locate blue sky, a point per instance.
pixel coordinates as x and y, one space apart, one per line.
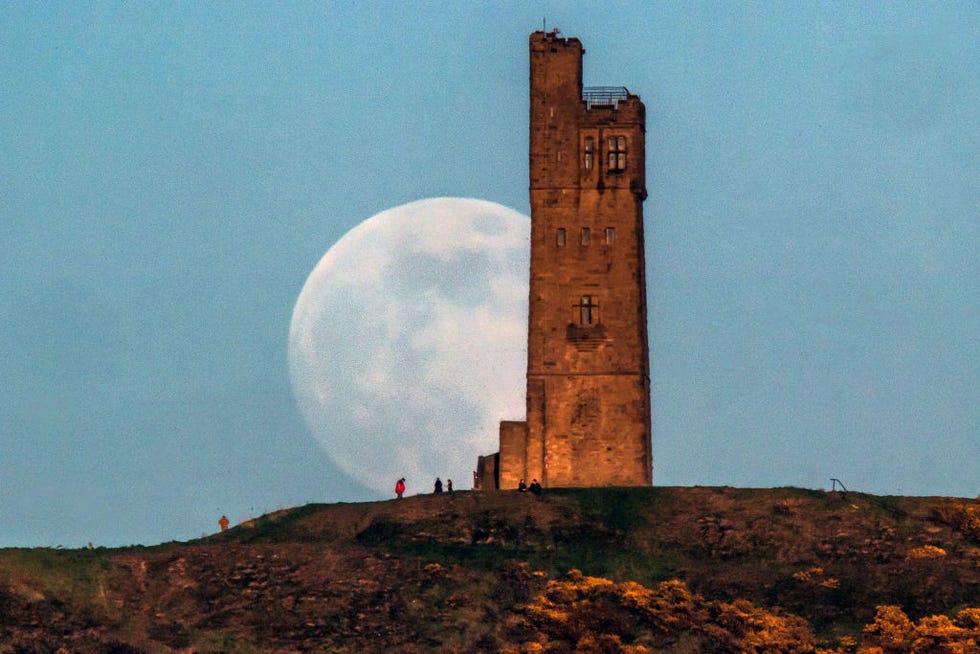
172 172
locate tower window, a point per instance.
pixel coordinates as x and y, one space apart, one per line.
610 235
586 236
588 310
589 159
617 153
560 237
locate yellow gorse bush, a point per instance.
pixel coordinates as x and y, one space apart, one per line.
589 614
926 552
893 632
585 615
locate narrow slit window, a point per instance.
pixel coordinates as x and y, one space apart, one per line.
586 236
560 237
589 157
610 235
617 153
588 310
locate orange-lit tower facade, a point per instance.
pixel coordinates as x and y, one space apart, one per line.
588 383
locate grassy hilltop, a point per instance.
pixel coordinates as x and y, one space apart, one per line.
586 570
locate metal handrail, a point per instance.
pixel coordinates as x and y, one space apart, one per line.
604 95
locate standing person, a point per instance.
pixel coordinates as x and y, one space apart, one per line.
223 523
400 487
438 486
449 486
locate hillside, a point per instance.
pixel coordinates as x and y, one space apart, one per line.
597 570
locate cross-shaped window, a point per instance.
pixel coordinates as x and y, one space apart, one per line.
588 310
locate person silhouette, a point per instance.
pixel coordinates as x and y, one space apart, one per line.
438 485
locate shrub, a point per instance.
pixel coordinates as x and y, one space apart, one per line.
962 518
892 632
592 614
926 552
815 577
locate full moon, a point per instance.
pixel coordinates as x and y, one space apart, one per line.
408 342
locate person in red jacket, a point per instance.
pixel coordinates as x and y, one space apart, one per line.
400 487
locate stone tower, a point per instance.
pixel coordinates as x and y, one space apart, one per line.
588 383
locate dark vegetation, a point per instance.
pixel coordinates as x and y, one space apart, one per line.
586 570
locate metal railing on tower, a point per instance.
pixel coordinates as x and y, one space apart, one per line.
605 96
